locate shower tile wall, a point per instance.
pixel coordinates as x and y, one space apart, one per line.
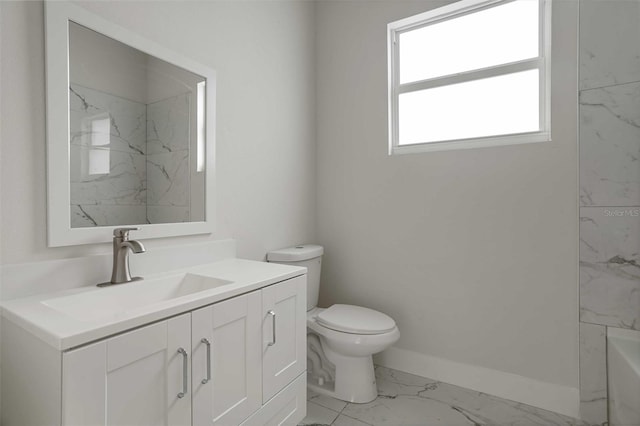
168 160
609 187
108 147
593 373
132 157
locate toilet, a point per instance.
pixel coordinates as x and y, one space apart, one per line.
341 339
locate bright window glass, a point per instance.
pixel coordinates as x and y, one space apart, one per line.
99 161
101 131
498 35
99 154
201 125
469 74
493 106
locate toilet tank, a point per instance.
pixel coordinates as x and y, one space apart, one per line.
307 255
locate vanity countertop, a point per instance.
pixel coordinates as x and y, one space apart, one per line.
64 331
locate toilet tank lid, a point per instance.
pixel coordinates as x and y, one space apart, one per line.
296 253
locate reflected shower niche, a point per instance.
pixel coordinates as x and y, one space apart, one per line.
136 152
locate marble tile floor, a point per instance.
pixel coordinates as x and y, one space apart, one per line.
405 399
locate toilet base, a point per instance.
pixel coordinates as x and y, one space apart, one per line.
355 380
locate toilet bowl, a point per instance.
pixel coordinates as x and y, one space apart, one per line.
350 351
341 339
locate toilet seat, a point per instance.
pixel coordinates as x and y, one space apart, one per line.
355 320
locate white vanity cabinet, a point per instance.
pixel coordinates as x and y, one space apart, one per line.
284 335
226 375
258 347
241 360
130 379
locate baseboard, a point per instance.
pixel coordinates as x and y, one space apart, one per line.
548 396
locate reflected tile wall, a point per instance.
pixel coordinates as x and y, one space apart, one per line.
83 216
130 161
168 125
108 167
124 182
168 174
168 214
593 373
127 132
168 179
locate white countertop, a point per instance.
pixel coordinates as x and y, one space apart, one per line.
64 332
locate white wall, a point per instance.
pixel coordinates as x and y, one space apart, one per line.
473 252
1 126
104 64
263 55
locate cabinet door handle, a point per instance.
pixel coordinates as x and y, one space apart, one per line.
273 326
184 372
208 343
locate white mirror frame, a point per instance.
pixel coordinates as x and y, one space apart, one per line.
60 233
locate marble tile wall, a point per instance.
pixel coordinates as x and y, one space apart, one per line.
609 48
593 373
130 161
609 146
610 266
610 163
108 167
168 176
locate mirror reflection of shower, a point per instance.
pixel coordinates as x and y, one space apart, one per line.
137 135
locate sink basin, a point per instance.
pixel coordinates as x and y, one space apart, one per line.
122 299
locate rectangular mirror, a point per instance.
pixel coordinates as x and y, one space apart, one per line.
130 133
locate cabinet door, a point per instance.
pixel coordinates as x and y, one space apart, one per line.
130 379
284 337
232 393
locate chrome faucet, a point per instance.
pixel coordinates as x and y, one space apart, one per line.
121 247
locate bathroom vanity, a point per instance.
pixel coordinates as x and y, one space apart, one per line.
222 343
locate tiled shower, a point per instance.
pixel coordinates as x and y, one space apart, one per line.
609 144
132 156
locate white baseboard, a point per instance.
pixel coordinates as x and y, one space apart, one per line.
557 398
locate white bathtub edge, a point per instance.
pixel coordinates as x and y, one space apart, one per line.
623 364
623 333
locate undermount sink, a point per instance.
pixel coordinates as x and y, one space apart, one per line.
122 299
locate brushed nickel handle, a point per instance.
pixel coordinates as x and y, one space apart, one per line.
208 343
273 326
184 372
124 232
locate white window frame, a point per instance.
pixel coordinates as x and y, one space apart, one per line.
464 7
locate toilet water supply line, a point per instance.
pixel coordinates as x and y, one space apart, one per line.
315 349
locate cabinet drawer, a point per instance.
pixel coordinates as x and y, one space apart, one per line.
288 407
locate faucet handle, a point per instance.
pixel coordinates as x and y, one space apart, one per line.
124 232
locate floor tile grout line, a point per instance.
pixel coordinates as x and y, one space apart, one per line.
355 418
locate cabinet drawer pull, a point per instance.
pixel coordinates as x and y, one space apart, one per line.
273 326
184 372
208 343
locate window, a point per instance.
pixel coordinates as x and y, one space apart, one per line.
474 73
97 142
